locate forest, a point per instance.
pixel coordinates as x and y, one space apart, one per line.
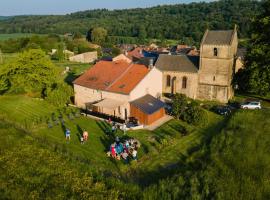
181 22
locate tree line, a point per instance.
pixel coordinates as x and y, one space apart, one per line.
181 22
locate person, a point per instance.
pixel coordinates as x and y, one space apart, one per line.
125 157
127 143
67 134
82 140
113 129
119 148
85 135
124 128
117 140
126 146
113 151
110 120
134 154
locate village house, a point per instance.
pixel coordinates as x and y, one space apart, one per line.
205 77
121 89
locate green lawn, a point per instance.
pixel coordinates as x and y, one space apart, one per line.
15 36
76 69
22 108
160 148
38 159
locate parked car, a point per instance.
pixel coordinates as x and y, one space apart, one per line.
251 105
168 109
222 110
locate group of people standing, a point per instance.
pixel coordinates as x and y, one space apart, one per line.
83 137
126 150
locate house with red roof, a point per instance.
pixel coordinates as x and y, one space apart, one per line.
117 87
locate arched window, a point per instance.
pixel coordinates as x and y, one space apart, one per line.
215 51
184 82
168 80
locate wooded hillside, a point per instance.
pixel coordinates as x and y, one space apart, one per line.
171 22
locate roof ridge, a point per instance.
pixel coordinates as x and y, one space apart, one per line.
119 77
233 33
204 36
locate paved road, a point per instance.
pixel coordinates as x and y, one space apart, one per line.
159 123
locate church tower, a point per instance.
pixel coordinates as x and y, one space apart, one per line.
217 57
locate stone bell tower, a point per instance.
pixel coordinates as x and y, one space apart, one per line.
217 57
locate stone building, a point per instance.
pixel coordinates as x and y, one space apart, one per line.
121 89
87 57
205 77
179 74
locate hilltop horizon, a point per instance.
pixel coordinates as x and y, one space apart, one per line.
30 7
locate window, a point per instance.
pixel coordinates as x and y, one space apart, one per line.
215 51
214 78
119 110
184 82
168 80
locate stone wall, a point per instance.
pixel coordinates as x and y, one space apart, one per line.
214 93
85 95
87 57
151 84
191 86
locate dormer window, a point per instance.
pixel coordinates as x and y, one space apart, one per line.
215 51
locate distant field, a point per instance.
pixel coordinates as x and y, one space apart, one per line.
14 36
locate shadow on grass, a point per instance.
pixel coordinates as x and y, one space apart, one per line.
80 132
182 165
71 76
246 95
64 128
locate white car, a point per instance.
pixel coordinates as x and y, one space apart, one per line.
251 105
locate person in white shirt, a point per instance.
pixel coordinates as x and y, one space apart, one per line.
134 154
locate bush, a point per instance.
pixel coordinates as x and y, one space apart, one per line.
179 105
195 115
190 112
59 95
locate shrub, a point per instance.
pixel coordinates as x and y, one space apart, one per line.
59 95
195 115
179 105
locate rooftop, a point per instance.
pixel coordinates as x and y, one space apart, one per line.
180 63
119 76
218 37
148 104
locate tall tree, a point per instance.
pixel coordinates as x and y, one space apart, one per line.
255 77
31 72
98 35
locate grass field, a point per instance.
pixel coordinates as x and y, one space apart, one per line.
160 148
76 69
21 108
39 159
14 36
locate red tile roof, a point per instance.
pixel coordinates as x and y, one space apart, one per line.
128 81
136 53
118 77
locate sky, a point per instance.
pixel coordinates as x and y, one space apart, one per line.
42 7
